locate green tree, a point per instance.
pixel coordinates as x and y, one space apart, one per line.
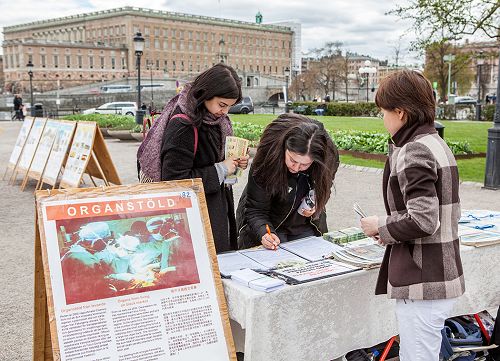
434 20
436 68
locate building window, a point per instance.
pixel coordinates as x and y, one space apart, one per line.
190 35
30 58
68 61
102 62
174 45
42 61
91 62
157 43
80 61
113 63
165 65
173 33
165 44
146 30
173 65
157 31
123 30
124 63
146 43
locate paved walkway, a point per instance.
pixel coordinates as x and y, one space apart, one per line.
17 229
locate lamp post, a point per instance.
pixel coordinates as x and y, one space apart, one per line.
287 76
492 173
365 72
30 73
449 58
139 48
150 65
480 61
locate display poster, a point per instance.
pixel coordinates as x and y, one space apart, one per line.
31 144
59 152
44 147
130 274
79 154
21 140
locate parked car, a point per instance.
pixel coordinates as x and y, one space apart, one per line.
465 100
300 109
123 108
243 107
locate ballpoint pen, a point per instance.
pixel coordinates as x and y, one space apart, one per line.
269 233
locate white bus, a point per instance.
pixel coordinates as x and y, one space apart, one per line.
122 88
150 87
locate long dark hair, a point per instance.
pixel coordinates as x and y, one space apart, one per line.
303 136
219 81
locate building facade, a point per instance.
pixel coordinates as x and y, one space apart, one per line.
98 46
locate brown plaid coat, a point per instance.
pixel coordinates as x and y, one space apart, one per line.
422 259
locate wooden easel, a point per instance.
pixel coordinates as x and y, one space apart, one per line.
58 155
19 146
29 149
45 335
42 153
88 144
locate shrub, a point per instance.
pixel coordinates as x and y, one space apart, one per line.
338 109
105 120
249 131
488 112
360 141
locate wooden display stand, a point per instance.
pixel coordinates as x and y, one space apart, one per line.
48 304
28 152
19 146
58 154
88 154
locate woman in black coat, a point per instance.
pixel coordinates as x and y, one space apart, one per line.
295 155
193 145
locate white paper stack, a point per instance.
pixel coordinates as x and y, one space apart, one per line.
257 281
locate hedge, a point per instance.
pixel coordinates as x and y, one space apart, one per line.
340 109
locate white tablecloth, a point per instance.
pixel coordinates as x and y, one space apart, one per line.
325 319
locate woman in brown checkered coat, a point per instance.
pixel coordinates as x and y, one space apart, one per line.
421 269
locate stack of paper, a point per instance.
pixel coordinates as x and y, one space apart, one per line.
364 253
470 236
353 233
273 259
257 281
335 237
311 248
234 261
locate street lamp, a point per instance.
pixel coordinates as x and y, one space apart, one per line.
366 71
30 73
449 58
150 65
139 48
492 173
287 76
480 61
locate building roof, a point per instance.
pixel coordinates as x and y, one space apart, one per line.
129 10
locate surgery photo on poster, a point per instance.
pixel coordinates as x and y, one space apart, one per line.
111 256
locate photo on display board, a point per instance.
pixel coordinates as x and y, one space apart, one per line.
110 256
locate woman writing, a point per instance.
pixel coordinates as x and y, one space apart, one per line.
421 268
192 146
295 155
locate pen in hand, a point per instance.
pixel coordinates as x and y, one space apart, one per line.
275 247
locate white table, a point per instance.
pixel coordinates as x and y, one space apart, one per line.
325 319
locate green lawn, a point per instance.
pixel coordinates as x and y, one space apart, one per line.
476 133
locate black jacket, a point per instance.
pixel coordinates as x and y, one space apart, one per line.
180 162
17 103
258 208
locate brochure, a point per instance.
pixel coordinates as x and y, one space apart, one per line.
313 271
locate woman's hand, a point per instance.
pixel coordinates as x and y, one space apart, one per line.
270 241
230 164
369 225
243 162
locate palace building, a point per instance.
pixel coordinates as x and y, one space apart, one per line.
98 46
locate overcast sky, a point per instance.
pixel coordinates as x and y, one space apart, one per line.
361 25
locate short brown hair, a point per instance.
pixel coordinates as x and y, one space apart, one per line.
409 91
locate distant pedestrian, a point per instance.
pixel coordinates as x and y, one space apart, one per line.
18 107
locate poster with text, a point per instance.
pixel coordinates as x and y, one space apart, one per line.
44 147
31 143
21 139
79 154
129 275
59 151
